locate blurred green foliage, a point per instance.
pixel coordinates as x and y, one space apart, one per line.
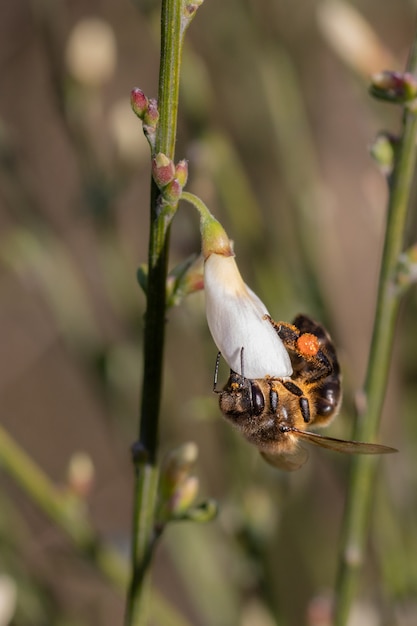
275 120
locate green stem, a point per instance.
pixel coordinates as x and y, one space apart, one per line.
363 469
62 508
198 204
175 17
70 516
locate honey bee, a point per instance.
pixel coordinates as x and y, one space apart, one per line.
275 413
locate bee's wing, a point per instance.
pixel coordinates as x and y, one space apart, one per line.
342 445
289 461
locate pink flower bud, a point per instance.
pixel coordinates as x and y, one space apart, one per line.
181 172
139 102
394 86
163 170
151 115
172 192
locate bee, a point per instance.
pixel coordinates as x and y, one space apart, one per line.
276 414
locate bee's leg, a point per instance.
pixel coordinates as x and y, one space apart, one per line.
324 357
302 399
322 368
287 332
306 346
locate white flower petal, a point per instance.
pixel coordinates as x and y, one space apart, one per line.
235 316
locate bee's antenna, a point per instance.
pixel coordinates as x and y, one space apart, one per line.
216 373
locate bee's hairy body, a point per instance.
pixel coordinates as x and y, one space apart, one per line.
275 413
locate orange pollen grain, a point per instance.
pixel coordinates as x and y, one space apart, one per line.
308 344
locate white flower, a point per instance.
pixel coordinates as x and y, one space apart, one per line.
236 318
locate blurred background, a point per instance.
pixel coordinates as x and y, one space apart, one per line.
276 122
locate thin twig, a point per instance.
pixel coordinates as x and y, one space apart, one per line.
363 469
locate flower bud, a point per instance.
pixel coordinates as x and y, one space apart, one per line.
185 278
181 172
394 86
177 488
151 116
81 474
172 192
177 466
194 281
183 497
139 102
163 170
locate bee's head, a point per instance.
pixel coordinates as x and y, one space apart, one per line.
241 396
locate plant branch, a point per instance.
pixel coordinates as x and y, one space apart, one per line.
363 468
175 17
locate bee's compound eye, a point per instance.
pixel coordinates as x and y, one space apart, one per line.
258 401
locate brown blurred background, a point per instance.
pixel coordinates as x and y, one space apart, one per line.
276 122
